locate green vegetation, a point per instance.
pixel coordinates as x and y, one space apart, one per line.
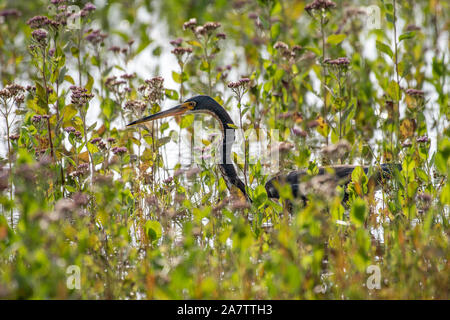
78 188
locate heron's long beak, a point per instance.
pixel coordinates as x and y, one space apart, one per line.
175 111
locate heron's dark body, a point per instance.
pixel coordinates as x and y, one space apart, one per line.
341 174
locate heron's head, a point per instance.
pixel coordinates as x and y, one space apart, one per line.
193 105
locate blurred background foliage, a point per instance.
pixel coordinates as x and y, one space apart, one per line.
79 188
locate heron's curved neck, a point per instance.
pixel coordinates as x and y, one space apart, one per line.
228 135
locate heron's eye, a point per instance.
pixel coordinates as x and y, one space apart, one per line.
192 104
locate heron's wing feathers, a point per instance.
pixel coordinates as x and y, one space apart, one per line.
341 174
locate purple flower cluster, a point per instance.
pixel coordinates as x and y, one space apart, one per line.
69 129
179 51
205 30
111 140
81 170
99 142
412 27
344 61
415 93
128 76
112 83
102 145
36 118
406 144
96 140
80 96
88 8
339 64
423 139
136 106
280 45
38 22
119 150
10 13
14 137
191 24
168 180
40 35
80 199
320 5
238 84
192 172
95 37
299 132
12 91
115 49
177 42
286 52
221 35
153 90
83 167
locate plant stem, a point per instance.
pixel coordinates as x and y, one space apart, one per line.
324 93
83 117
10 165
44 78
396 112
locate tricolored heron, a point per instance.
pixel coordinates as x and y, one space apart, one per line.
206 104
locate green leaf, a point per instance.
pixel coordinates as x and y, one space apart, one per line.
384 48
95 61
107 107
74 51
176 77
407 35
313 50
260 196
92 148
89 83
69 112
162 141
157 51
358 212
205 65
445 194
275 30
393 91
336 38
92 127
153 230
187 121
144 39
69 79
195 43
422 175
70 188
172 94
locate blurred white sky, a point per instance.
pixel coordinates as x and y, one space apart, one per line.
147 66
